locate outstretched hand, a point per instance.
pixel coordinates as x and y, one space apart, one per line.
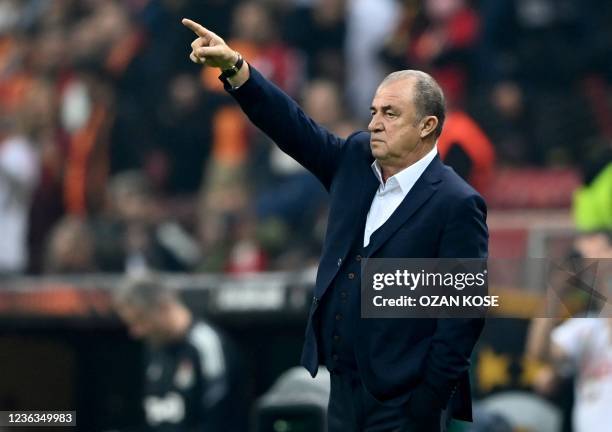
209 48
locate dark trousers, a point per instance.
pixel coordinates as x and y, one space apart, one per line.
352 409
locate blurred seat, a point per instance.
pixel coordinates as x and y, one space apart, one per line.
296 402
524 411
535 188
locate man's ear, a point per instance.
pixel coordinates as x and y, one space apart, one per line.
428 125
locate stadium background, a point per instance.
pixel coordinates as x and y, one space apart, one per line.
117 155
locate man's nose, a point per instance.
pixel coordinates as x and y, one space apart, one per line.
375 124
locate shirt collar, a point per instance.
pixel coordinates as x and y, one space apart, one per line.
407 177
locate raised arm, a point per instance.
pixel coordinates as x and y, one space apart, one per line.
269 108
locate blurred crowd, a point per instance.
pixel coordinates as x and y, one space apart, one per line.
119 154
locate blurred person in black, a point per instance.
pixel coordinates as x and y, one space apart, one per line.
536 57
185 149
191 379
135 233
318 28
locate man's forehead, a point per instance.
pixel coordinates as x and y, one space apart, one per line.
393 93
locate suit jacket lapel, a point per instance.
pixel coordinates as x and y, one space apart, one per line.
422 190
356 204
368 191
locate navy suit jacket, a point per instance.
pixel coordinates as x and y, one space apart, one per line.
422 362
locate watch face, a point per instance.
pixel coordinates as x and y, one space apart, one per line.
228 73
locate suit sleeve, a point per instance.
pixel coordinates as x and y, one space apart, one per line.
280 117
465 236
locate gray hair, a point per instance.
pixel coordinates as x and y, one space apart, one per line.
143 292
428 96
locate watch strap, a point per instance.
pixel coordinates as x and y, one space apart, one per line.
228 73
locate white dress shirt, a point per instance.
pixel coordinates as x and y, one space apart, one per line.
390 194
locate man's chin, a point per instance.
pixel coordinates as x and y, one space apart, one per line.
377 151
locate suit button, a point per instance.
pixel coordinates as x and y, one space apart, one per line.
351 275
338 317
335 357
344 294
339 262
336 338
358 258
315 301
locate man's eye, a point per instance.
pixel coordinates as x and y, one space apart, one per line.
391 114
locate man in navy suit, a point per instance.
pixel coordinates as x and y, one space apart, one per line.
390 197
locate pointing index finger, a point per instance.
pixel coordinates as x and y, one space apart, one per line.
196 28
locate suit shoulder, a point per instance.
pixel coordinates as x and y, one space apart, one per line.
359 135
359 141
457 188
